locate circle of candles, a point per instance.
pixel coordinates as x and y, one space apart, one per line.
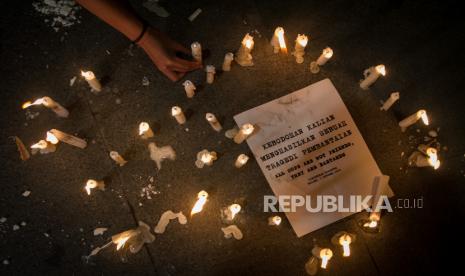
278 42
92 80
210 69
325 254
390 101
244 56
196 51
190 88
202 197
228 58
117 158
299 49
345 241
177 113
275 220
371 75
243 133
145 131
324 57
241 160
412 119
211 118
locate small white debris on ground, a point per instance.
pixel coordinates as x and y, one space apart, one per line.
23 223
6 262
148 191
26 193
118 101
72 80
99 231
30 115
15 227
433 133
194 15
3 219
63 12
145 81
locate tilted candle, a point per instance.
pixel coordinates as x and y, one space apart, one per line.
211 118
177 113
245 131
92 184
145 132
190 88
43 147
412 119
324 57
117 158
92 80
48 102
390 101
371 75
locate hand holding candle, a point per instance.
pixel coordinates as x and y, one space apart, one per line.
389 102
244 56
92 80
299 50
245 131
59 110
211 118
190 88
228 58
412 119
371 75
324 57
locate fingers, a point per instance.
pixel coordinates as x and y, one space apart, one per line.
172 75
179 48
190 65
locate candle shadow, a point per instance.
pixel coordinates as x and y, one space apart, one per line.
188 113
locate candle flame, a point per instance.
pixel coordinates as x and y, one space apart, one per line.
345 241
234 209
42 144
279 32
198 206
433 158
325 254
51 138
36 102
381 69
206 157
424 117
327 52
87 74
276 220
302 40
90 184
121 242
143 128
248 41
371 224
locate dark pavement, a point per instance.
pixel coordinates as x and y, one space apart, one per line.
421 44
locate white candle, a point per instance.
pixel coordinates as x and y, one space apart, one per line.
69 139
324 57
231 211
197 51
412 119
275 220
228 58
43 147
117 158
299 49
210 69
190 88
371 75
244 56
211 118
177 113
345 240
325 254
145 132
389 102
278 42
241 160
245 131
92 80
48 102
202 197
92 184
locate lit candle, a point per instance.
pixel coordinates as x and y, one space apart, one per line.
373 220
228 58
412 119
433 158
324 57
245 131
190 88
244 56
117 158
325 254
59 110
232 231
371 75
205 157
51 138
211 118
231 211
92 80
145 131
389 102
43 147
165 220
197 51
278 42
202 197
241 160
92 184
177 113
299 49
345 241
68 138
430 160
210 69
275 220
137 237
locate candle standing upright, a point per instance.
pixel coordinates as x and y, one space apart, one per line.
210 70
245 131
213 121
196 51
299 50
228 58
177 113
189 87
244 56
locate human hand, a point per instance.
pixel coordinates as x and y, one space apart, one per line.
162 51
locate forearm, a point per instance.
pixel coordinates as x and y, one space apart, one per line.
117 13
